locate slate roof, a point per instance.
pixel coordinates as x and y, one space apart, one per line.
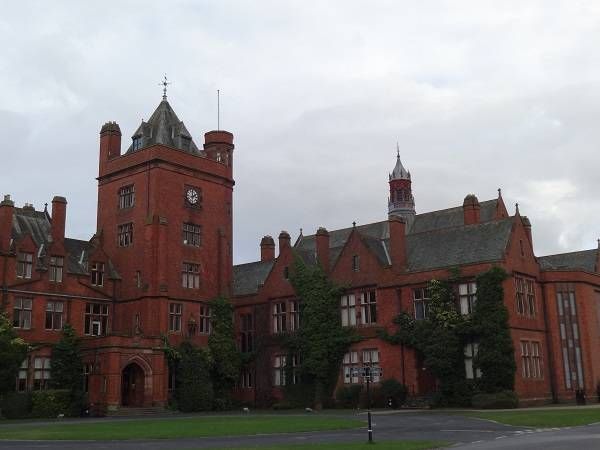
247 278
164 127
467 244
584 260
451 217
37 224
29 221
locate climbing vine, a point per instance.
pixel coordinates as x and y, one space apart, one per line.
321 341
441 337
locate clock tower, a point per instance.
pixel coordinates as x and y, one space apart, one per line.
165 223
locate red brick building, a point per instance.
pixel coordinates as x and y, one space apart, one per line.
162 250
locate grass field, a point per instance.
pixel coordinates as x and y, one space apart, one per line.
543 418
397 445
176 428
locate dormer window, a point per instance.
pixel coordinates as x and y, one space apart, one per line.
24 264
137 143
97 274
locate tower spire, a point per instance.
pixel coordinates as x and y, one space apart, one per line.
164 84
401 202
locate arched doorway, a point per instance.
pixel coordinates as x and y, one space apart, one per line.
132 385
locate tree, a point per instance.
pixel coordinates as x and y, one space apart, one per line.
490 328
193 390
226 358
13 351
321 341
66 363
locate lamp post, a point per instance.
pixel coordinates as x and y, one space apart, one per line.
370 425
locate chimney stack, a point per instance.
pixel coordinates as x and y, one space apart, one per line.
267 249
322 238
59 218
471 210
7 208
398 243
110 143
284 241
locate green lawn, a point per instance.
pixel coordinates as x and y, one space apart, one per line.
543 418
397 445
176 428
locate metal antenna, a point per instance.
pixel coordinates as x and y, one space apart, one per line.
218 109
164 84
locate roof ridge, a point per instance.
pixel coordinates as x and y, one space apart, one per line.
591 250
456 227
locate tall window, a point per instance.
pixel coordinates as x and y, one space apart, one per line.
295 375
23 376
467 293
470 352
350 361
355 263
137 143
54 315
348 310
246 333
96 319
56 269
246 379
97 274
22 313
279 370
370 357
279 318
192 234
190 275
368 308
175 310
205 325
127 196
420 301
87 371
531 360
525 296
24 264
294 315
125 234
41 373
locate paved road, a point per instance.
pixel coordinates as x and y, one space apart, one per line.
467 433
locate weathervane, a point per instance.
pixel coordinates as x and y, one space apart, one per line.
164 84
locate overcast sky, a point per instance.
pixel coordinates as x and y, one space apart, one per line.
479 95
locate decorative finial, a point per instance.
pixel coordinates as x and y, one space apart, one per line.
45 207
164 84
397 150
499 192
354 224
300 231
517 209
598 244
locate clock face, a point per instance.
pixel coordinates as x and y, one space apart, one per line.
192 196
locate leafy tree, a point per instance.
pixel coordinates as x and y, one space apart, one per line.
321 341
194 391
490 328
226 358
67 365
13 351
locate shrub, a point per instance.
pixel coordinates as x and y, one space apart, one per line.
348 396
16 405
194 391
393 389
51 403
499 400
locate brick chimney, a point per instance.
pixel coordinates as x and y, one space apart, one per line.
284 241
110 144
322 238
7 208
471 210
397 242
59 218
267 249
